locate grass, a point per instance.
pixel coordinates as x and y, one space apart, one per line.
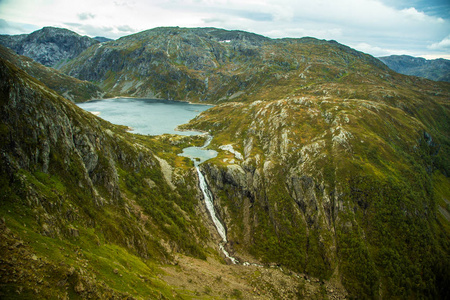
378 176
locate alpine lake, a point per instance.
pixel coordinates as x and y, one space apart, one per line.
152 117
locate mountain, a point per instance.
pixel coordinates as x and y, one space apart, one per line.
102 39
50 46
332 174
88 210
217 65
434 69
83 202
66 86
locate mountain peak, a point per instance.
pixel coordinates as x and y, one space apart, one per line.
50 46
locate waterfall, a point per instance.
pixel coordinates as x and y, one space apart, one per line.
199 155
210 206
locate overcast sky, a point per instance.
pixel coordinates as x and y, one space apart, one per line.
378 27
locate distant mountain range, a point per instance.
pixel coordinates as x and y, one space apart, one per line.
102 39
434 69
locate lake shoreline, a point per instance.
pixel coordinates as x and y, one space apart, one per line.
147 116
140 98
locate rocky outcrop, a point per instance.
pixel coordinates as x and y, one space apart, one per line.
307 183
50 46
208 64
70 88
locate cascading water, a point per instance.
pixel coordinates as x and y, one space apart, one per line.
199 155
210 206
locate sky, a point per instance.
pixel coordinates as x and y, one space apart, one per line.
378 27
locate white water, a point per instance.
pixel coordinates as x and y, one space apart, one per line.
210 206
199 155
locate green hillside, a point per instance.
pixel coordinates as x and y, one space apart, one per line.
332 175
85 209
70 88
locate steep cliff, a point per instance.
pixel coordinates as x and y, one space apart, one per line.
69 87
50 46
85 207
327 185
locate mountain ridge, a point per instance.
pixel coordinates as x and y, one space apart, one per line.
50 46
67 86
434 69
207 64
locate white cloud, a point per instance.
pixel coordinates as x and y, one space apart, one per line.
125 28
378 51
85 16
442 45
351 22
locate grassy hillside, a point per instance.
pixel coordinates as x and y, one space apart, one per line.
70 88
85 208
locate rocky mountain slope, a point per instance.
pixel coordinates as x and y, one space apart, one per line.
69 87
84 203
50 46
332 168
323 185
88 210
434 69
218 65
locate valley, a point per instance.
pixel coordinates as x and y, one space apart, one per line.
326 169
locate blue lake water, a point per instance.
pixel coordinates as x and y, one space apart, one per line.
199 154
146 116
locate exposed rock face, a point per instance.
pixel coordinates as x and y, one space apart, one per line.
317 178
40 127
50 46
434 69
68 87
76 179
216 65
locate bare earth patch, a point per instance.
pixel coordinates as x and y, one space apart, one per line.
213 279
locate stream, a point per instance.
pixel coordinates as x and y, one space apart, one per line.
154 117
199 155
